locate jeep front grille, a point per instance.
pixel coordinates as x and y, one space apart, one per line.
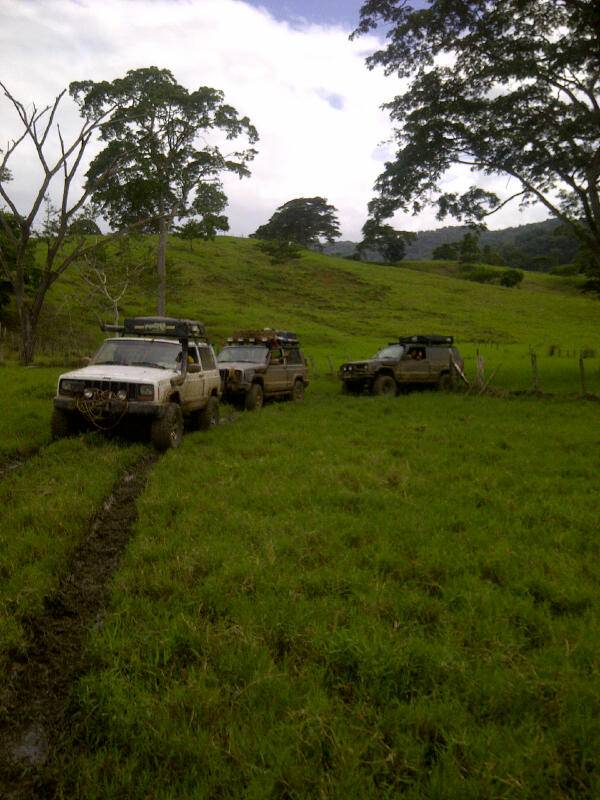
132 389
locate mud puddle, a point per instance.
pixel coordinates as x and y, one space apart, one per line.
37 686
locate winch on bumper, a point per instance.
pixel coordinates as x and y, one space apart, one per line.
108 404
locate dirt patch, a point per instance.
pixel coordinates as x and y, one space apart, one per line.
10 463
37 686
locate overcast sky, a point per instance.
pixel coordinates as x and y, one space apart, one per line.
287 64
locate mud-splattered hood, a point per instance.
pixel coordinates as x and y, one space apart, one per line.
120 373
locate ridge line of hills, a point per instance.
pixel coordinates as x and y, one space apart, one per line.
537 246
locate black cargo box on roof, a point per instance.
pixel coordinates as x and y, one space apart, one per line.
167 327
430 339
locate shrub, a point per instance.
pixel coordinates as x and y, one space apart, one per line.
280 251
511 277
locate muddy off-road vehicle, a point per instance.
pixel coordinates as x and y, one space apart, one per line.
256 365
419 360
159 369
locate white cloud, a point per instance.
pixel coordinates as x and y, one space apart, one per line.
305 88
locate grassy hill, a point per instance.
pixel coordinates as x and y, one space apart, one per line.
343 309
345 597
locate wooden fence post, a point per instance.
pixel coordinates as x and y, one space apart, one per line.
479 370
582 375
534 370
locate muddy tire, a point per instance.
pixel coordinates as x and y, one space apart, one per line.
254 398
64 423
208 417
446 382
384 385
298 391
167 431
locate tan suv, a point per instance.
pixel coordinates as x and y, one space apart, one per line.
256 365
411 361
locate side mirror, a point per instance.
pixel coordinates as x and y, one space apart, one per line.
194 368
85 361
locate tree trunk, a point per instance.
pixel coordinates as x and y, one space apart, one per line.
161 268
28 324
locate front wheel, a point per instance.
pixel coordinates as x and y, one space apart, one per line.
167 431
384 385
298 391
254 397
208 416
446 382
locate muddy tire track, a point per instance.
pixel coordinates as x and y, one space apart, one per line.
37 686
8 464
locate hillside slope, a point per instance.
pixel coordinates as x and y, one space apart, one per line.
340 307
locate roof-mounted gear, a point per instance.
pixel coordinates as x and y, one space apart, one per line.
266 336
431 339
163 327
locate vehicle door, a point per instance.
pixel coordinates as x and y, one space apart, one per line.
414 366
276 374
294 366
439 361
192 390
212 377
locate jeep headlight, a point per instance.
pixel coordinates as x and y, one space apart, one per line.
146 391
71 387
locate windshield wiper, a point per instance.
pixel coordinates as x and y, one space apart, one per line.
147 364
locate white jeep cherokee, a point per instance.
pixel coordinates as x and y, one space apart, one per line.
159 368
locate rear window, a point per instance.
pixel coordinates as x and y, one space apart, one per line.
293 357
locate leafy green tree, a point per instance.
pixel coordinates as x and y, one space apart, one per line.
491 255
84 226
506 86
205 228
388 242
9 235
468 249
305 221
160 165
446 252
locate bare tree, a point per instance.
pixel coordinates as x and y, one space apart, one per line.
108 277
36 128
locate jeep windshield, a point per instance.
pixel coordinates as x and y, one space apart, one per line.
392 351
253 354
139 353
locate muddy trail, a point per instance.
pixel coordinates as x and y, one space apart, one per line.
8 464
36 689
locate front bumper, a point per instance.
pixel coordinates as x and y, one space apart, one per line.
113 407
353 378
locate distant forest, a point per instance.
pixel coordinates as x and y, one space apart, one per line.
539 246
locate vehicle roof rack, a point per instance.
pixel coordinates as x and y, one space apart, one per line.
164 327
426 338
265 336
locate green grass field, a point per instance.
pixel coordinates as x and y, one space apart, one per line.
345 597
